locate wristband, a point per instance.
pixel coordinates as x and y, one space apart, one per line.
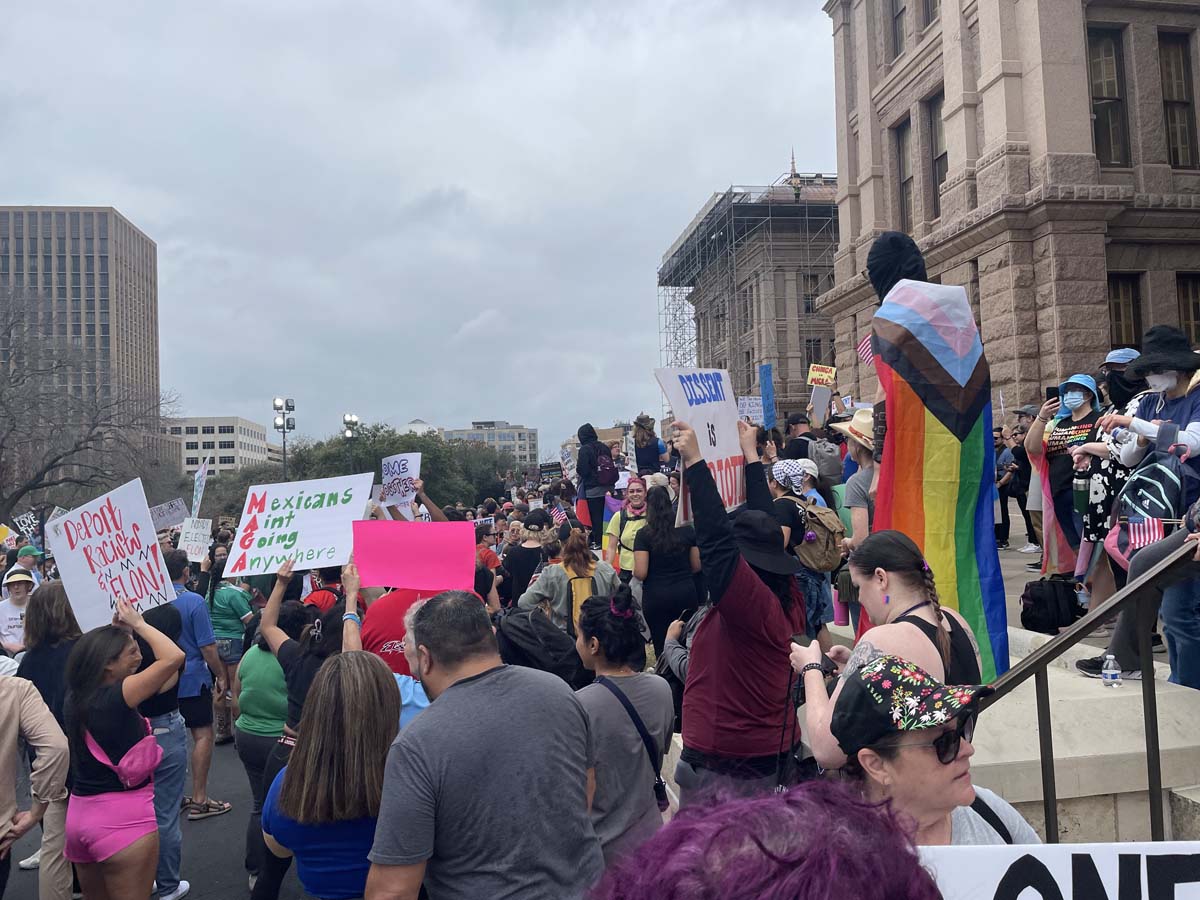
352 617
815 667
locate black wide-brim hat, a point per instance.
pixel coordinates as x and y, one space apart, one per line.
761 542
1165 349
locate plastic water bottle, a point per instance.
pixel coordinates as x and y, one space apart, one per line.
1110 675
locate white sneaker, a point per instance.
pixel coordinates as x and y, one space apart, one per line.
1030 548
31 862
181 891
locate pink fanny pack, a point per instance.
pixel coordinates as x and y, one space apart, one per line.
139 761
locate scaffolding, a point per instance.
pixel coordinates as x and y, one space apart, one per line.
739 286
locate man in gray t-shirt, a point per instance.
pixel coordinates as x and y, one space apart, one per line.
486 792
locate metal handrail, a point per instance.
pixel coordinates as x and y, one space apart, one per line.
1139 594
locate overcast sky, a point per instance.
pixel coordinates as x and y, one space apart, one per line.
438 210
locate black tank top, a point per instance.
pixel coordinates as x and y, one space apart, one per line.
963 667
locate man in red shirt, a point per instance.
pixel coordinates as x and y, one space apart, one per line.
485 539
330 593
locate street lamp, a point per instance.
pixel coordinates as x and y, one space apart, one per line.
350 432
284 423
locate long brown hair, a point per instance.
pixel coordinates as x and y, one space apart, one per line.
351 716
49 618
576 557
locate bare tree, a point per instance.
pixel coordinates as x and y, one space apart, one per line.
69 428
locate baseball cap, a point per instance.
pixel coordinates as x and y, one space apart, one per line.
890 694
538 520
29 550
1028 410
797 418
1122 356
18 576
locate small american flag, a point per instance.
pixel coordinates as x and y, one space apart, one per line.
1144 531
557 515
864 351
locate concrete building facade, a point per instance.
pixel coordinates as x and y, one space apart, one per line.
517 440
1043 155
229 442
738 288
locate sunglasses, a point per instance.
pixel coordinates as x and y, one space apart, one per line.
947 744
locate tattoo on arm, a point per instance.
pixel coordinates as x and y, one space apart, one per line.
864 651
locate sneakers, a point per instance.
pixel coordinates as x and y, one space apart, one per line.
1157 644
1034 566
1003 545
178 893
1091 668
1030 548
31 862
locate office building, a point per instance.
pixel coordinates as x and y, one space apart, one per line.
229 442
738 288
1044 156
517 440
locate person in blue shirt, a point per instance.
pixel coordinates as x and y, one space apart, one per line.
322 807
1005 464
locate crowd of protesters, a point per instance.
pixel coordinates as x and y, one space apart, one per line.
510 741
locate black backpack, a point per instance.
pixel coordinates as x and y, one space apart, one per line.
1049 604
528 638
606 470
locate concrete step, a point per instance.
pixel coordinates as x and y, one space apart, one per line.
1185 813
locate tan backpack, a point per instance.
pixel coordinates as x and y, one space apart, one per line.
824 552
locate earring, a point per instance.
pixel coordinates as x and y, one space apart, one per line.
886 599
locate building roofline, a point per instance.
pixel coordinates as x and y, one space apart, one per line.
66 208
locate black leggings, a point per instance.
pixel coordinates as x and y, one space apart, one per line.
254 751
663 603
596 511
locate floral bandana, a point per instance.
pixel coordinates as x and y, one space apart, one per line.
889 694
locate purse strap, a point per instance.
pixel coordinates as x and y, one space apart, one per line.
647 740
98 752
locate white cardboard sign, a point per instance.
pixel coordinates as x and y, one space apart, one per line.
107 549
400 473
169 514
750 408
703 398
1067 871
310 522
195 536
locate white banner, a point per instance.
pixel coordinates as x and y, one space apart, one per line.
400 473
195 537
568 464
198 486
703 398
306 521
107 549
750 408
169 514
1067 871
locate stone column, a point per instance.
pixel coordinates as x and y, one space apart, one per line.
1144 110
1072 296
845 102
1003 166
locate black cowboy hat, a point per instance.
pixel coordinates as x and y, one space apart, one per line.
757 536
1165 349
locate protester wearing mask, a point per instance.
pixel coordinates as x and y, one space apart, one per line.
907 741
587 465
1170 368
1062 424
623 528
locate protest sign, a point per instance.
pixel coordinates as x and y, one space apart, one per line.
198 486
750 408
1131 871
820 402
622 480
400 474
169 514
485 520
8 536
766 389
376 493
825 376
195 536
55 513
535 504
434 556
27 523
512 492
309 522
106 550
551 471
568 463
848 402
703 399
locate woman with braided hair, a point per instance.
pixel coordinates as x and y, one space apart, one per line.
897 589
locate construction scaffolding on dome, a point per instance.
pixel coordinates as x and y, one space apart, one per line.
739 286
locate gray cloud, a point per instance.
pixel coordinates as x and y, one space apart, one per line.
444 210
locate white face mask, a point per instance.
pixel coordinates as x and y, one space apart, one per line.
1163 383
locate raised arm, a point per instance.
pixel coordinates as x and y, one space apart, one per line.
758 495
1033 439
351 623
719 554
435 511
139 688
269 626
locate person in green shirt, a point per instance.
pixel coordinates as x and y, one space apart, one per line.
230 610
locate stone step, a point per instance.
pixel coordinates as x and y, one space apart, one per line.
1185 813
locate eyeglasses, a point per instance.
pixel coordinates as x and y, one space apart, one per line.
947 744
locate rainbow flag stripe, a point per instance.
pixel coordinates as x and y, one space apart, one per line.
937 479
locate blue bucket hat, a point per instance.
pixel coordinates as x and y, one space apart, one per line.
1083 381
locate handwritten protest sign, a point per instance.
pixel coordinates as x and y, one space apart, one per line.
169 514
309 522
704 400
568 463
750 408
55 513
1091 871
198 486
27 523
194 538
8 536
106 549
824 376
400 474
438 556
534 503
551 471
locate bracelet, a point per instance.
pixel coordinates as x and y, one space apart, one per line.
348 617
816 667
1043 421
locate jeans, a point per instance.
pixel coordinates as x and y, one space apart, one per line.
169 779
253 750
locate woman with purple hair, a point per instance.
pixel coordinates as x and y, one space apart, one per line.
817 841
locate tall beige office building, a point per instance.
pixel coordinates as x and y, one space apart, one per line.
98 276
1044 156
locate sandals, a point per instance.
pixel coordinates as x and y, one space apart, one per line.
207 810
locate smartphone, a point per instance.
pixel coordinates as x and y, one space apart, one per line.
802 639
1052 392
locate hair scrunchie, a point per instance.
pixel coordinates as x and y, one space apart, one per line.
620 614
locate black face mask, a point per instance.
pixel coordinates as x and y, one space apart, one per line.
1121 389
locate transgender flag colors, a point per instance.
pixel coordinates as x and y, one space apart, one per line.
937 481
